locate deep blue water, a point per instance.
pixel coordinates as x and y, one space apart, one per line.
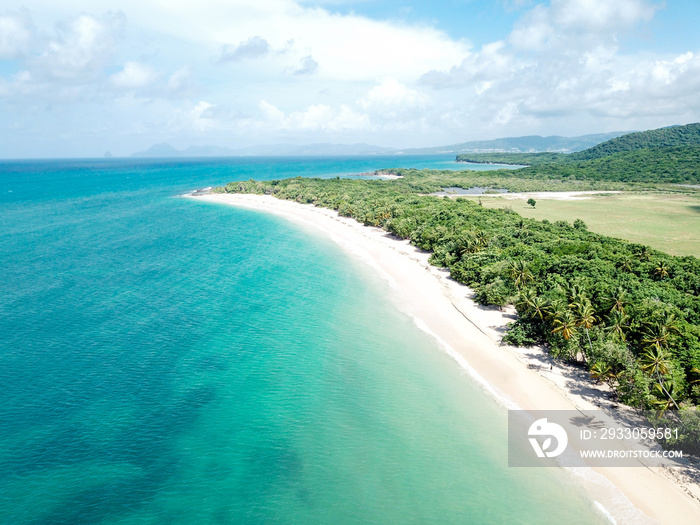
164 360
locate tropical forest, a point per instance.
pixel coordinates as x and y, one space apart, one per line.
627 312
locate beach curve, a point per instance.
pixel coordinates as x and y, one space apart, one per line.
471 335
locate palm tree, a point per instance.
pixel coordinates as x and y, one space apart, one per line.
524 299
657 335
618 300
665 403
538 307
531 303
556 309
520 273
585 313
696 372
661 269
565 324
656 361
573 291
625 264
644 253
585 316
669 321
482 238
603 372
617 325
468 244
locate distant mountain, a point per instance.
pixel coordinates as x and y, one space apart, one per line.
166 150
159 150
319 149
527 144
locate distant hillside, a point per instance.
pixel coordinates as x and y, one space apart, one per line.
527 144
512 145
515 159
166 150
676 165
667 155
159 150
688 135
320 149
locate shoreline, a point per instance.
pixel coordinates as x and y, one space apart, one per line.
471 335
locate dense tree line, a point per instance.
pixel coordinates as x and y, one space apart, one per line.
430 181
677 165
630 313
671 137
668 155
513 159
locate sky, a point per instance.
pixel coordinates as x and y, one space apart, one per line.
78 79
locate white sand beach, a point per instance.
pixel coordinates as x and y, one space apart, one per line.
518 377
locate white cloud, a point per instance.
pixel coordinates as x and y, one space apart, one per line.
254 47
291 70
271 114
308 66
134 75
15 35
181 83
354 48
317 117
198 116
481 69
81 48
391 96
561 68
600 15
578 24
349 47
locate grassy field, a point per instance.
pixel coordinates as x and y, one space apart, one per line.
668 222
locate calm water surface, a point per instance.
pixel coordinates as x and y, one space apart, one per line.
164 360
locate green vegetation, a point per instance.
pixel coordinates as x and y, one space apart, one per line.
628 312
677 165
672 137
669 155
431 181
666 221
516 159
522 144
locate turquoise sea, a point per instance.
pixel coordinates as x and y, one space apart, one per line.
164 360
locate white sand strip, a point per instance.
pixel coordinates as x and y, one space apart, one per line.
472 334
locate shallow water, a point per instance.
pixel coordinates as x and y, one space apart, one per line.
168 360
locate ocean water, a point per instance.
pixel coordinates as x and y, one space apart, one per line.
164 360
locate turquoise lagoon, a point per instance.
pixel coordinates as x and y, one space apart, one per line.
164 360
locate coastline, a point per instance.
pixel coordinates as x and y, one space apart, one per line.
517 377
